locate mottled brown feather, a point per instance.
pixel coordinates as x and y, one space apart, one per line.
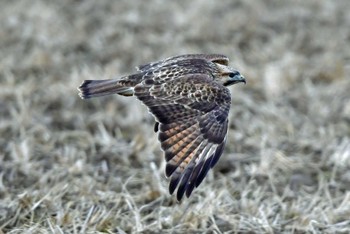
190 109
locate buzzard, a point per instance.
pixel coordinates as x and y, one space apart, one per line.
188 97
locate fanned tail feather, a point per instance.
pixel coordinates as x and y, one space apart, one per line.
97 88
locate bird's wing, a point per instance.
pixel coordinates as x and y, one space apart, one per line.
192 113
216 58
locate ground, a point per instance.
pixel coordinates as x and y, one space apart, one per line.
95 166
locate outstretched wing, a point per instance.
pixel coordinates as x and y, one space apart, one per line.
192 113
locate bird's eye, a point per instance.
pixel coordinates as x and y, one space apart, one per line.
232 74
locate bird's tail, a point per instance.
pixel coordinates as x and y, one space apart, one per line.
97 88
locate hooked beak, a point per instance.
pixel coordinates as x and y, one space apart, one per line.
234 78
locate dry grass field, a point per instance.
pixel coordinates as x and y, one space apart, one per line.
95 166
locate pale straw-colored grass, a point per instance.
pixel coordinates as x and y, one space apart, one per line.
74 166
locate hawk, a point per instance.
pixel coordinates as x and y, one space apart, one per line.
189 98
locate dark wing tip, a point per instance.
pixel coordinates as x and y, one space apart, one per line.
173 183
185 177
204 171
169 169
180 194
193 178
184 183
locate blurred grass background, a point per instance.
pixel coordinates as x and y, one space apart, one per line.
74 166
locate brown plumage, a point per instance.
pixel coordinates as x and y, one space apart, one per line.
189 100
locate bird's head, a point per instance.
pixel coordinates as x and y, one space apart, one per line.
228 76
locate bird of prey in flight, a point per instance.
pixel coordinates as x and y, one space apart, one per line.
190 101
